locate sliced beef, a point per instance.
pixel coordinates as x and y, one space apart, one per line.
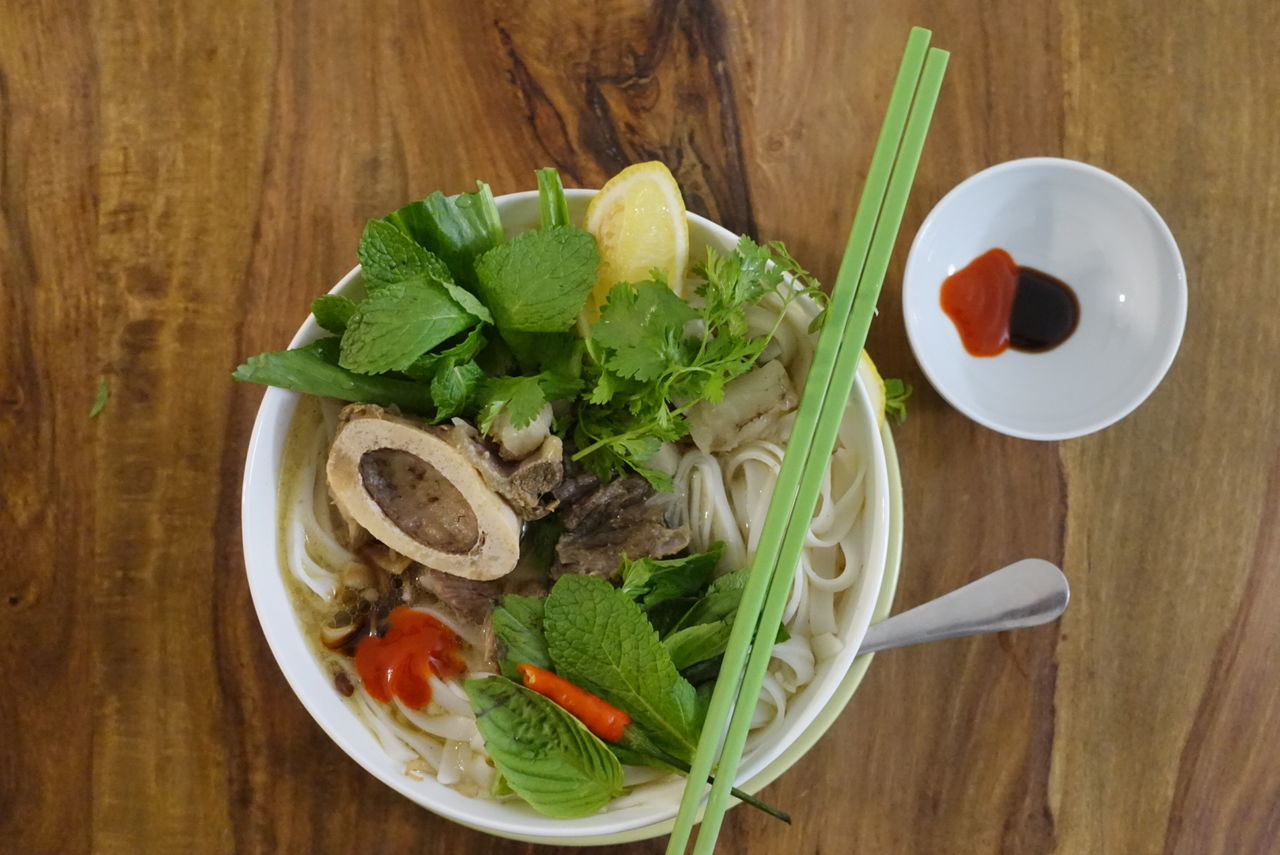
605 522
598 507
526 484
574 487
472 600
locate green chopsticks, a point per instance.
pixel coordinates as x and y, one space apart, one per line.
827 389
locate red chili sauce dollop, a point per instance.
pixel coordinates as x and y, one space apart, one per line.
401 661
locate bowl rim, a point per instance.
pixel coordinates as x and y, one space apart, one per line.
1177 289
284 638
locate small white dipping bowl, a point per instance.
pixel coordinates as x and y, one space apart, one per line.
810 713
1095 233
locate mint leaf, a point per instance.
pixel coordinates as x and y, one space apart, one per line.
547 756
397 323
539 281
517 622
453 387
458 229
333 312
314 370
425 366
599 639
553 209
468 301
652 581
388 255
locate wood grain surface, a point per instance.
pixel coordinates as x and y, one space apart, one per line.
179 179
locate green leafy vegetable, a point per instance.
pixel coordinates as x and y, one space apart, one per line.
652 581
702 634
546 755
650 363
424 368
703 675
643 328
552 206
599 639
720 601
695 644
523 397
665 615
896 393
388 255
397 323
458 229
333 312
100 398
539 281
558 353
453 387
314 370
517 622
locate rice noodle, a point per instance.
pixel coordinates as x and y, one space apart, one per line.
721 497
726 497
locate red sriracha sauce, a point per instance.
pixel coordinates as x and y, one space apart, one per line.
979 300
400 662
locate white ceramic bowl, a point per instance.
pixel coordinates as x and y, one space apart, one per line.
1092 231
815 707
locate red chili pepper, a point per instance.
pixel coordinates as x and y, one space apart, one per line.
601 717
610 724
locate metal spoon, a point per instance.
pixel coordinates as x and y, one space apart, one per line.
1026 593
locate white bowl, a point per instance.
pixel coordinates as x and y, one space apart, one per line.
816 706
1092 231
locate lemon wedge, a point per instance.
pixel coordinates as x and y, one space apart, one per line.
639 224
870 376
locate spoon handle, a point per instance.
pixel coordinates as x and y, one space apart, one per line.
1026 593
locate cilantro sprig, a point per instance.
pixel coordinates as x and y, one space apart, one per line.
654 355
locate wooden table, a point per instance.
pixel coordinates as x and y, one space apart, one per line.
179 180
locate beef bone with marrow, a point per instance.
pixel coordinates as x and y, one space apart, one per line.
418 494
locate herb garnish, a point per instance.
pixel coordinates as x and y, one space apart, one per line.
655 355
546 756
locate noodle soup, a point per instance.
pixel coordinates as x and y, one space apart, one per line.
436 754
